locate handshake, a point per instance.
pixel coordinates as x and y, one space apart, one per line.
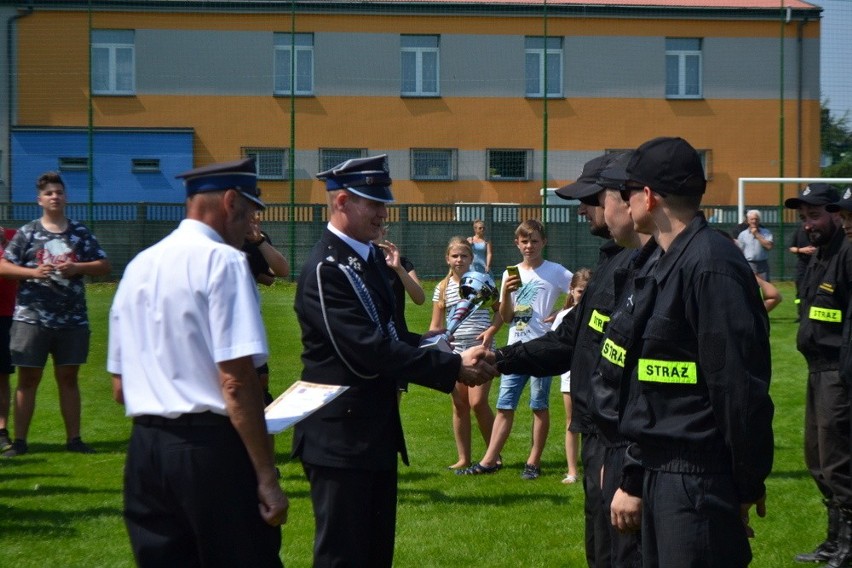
478 366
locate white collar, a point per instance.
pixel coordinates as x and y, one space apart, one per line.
363 249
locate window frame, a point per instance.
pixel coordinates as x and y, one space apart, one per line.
681 56
73 163
419 52
112 48
283 49
543 53
325 163
451 155
145 165
262 155
489 168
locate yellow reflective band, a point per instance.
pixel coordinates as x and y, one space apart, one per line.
825 314
681 372
613 353
598 321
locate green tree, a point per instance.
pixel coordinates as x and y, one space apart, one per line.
836 143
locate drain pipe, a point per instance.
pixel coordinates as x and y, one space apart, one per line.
10 78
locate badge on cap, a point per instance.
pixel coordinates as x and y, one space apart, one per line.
367 177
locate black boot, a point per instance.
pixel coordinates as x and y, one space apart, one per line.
824 551
842 557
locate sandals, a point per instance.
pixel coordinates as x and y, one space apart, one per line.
478 469
569 479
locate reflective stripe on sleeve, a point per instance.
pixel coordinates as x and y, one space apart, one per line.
598 321
679 372
613 352
825 314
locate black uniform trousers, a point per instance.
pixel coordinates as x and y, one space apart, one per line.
626 547
692 520
597 523
355 512
190 496
827 435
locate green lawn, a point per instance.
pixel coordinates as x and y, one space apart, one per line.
61 509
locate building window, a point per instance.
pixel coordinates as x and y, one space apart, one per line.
271 162
433 164
683 68
113 65
304 64
540 56
73 164
330 157
511 165
145 165
420 65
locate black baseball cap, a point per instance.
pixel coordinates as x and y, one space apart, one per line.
586 185
615 174
845 202
814 194
669 166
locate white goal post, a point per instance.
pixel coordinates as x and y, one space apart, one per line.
744 180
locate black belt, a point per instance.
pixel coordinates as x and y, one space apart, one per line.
192 419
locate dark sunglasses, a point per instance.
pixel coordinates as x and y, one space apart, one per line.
625 190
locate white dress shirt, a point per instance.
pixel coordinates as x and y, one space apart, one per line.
183 305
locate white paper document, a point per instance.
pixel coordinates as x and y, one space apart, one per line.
297 402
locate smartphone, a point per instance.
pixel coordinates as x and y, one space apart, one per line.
513 271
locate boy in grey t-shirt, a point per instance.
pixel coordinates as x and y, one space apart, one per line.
50 256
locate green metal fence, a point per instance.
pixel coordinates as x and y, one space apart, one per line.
421 231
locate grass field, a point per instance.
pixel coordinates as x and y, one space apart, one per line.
64 510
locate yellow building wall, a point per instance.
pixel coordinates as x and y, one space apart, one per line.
741 134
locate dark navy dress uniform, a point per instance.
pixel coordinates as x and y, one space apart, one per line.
698 408
349 448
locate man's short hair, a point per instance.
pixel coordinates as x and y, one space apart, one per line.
754 212
48 178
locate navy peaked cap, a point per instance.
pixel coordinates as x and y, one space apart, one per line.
367 177
240 175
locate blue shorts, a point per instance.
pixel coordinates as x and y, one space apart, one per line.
512 385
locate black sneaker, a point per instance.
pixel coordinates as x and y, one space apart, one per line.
79 446
18 448
531 471
5 441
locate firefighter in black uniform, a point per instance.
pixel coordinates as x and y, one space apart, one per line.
825 296
697 410
843 554
574 345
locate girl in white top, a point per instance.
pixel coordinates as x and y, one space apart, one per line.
578 286
478 329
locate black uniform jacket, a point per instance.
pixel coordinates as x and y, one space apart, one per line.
342 345
699 394
575 344
635 291
825 294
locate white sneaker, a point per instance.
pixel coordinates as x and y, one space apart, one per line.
569 479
